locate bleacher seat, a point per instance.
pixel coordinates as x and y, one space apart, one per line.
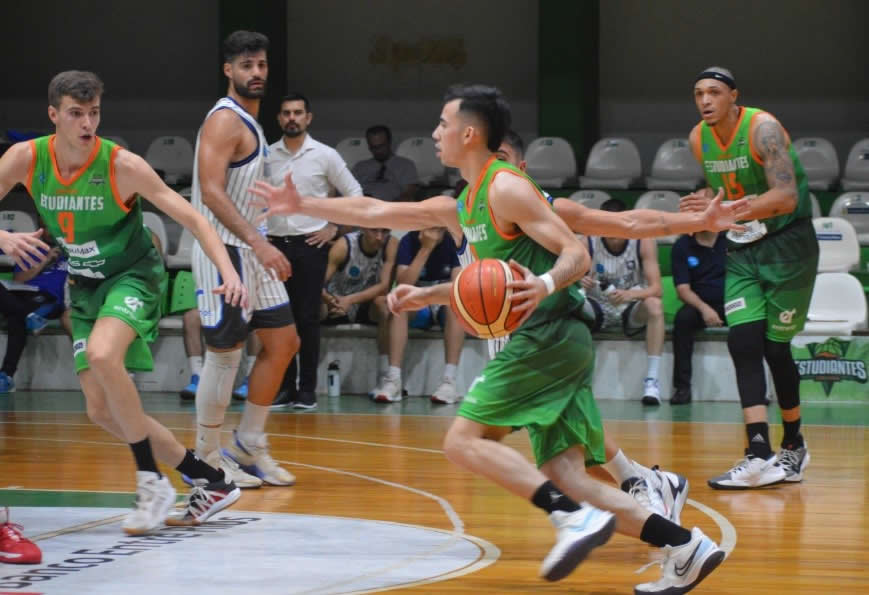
838 305
181 258
421 150
592 199
856 175
612 163
816 206
118 140
15 221
353 150
675 167
550 162
837 240
820 161
173 156
854 206
153 222
660 200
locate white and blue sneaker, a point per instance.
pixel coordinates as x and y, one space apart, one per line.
256 460
35 323
750 472
7 385
684 566
231 471
240 393
188 393
579 532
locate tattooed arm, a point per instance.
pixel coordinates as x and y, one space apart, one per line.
770 144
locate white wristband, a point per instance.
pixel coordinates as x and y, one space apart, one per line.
548 282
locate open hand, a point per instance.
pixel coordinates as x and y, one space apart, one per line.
720 216
276 201
234 292
25 248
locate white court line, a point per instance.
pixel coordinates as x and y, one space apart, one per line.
728 531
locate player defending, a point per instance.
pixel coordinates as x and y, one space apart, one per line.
541 379
87 190
771 268
231 153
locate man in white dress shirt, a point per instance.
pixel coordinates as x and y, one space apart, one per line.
318 170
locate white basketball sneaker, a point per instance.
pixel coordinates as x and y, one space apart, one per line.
674 492
794 461
750 472
256 460
648 496
155 497
579 532
232 471
651 392
389 391
684 566
446 393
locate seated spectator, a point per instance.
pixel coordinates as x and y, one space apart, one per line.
386 175
698 264
623 287
36 295
426 257
358 277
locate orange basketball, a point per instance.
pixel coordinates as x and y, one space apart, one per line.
481 298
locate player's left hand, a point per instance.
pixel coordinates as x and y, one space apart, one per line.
285 200
406 298
233 290
527 293
322 236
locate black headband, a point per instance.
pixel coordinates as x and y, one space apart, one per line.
718 76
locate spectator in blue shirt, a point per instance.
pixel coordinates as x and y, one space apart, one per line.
426 257
698 264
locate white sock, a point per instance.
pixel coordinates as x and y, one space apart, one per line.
253 423
382 363
251 359
394 373
620 468
212 398
450 372
654 362
195 363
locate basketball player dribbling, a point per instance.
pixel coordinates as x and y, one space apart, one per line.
541 379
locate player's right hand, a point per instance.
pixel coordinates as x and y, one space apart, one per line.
25 248
406 298
273 260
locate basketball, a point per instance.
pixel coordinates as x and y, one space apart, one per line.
481 299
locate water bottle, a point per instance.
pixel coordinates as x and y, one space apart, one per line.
333 379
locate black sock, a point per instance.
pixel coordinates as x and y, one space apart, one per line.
659 532
550 498
758 439
144 456
195 468
792 438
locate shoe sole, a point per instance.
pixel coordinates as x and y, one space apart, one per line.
719 486
647 400
711 563
385 399
444 401
579 551
304 406
164 515
187 396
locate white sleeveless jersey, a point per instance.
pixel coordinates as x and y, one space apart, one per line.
465 259
623 271
239 176
360 272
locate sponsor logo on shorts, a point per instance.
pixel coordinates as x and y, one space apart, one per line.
787 316
86 250
734 306
79 346
133 303
123 310
784 327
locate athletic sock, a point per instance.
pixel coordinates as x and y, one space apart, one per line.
550 498
195 363
620 468
758 439
144 456
253 423
792 438
659 532
450 372
195 468
654 363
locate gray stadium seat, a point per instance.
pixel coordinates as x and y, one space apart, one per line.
172 155
181 258
353 150
15 221
854 207
857 167
660 200
550 162
837 241
820 161
421 150
592 199
153 222
675 167
612 163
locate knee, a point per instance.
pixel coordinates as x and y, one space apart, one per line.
284 349
98 412
102 357
745 342
777 353
653 307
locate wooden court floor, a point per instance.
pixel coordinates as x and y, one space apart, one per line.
386 463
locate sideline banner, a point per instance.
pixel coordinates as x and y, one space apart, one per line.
832 368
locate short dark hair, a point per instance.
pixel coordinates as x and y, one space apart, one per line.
488 105
613 205
243 42
380 129
81 85
296 96
512 138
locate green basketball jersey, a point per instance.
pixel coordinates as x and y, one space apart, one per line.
485 240
101 233
737 168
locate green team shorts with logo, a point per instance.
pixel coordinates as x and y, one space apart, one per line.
772 280
541 381
134 296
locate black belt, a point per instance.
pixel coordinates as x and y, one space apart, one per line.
288 239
